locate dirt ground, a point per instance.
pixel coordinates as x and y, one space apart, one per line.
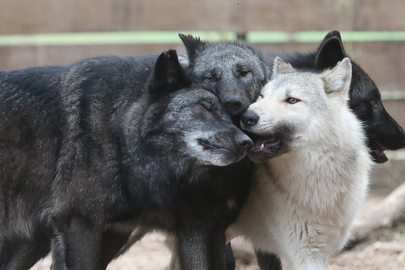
386 250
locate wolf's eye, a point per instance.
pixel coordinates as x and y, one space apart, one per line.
213 79
293 100
206 105
374 103
244 73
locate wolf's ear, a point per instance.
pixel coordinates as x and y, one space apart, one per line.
280 67
168 76
337 80
330 51
193 46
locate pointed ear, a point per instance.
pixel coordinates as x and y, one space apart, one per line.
168 76
193 46
331 34
337 81
280 67
330 51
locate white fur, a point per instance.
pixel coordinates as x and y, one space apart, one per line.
303 203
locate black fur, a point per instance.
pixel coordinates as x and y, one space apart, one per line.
89 152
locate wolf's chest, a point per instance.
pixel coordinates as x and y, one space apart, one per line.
311 185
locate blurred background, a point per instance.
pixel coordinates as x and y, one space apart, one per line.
25 26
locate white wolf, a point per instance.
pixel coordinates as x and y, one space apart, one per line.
304 199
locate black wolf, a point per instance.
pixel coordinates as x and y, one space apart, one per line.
234 71
88 153
382 131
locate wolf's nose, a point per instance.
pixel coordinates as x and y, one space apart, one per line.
244 141
249 118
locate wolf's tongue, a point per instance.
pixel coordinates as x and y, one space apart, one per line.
265 142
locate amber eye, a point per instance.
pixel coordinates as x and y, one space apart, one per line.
293 100
243 73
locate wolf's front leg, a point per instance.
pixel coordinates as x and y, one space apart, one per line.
192 250
200 248
77 245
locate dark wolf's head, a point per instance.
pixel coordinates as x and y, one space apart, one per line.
185 121
235 72
383 132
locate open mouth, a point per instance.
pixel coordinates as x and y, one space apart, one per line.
378 152
264 143
266 147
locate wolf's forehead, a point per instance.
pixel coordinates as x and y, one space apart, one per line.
227 57
302 82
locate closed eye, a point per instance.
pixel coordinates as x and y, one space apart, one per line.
213 78
206 105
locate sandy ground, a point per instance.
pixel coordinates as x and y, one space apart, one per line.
386 250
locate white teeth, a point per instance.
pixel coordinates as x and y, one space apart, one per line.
262 146
384 151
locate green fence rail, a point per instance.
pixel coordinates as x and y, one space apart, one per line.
393 95
159 37
171 37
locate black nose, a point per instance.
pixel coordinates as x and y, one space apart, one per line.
244 141
249 118
233 104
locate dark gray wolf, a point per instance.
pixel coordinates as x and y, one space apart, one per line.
89 152
234 71
313 166
382 131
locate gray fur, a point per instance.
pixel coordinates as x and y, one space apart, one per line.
232 70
